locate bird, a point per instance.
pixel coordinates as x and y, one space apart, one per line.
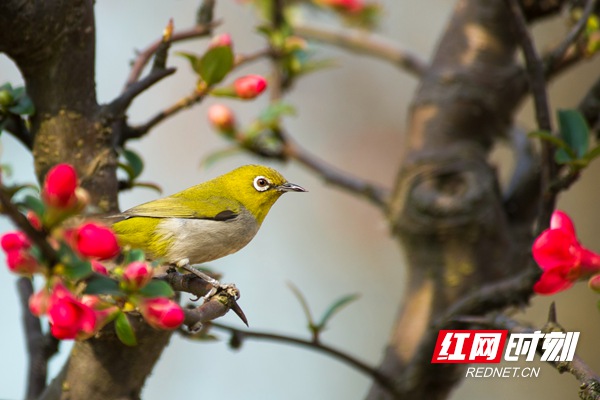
204 222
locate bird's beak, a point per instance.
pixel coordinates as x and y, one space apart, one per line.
290 187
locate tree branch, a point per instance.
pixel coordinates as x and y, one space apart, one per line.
537 84
145 55
367 44
238 335
40 347
373 192
559 52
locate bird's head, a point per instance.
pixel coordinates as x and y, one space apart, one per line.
256 187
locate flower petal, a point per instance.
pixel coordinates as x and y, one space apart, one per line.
551 282
556 247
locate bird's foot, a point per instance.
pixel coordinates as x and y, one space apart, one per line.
216 285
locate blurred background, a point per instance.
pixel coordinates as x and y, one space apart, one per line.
325 242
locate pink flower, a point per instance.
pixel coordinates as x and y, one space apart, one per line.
161 313
104 311
12 241
249 86
69 318
21 262
99 268
221 117
95 241
223 39
561 257
18 259
38 302
137 275
59 187
350 6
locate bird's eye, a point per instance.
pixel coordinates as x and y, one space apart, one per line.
261 183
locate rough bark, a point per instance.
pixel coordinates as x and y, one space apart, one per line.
53 45
447 210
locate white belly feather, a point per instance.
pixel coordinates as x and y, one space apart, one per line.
202 240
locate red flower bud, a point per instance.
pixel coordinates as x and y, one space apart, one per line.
34 220
103 310
59 186
249 86
137 275
21 262
221 117
99 268
349 6
223 39
38 302
161 313
95 241
69 318
594 283
14 241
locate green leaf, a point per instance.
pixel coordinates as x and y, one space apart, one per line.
216 64
134 255
77 269
272 114
103 285
156 288
574 131
218 155
192 58
336 307
124 330
148 185
24 106
592 154
304 304
34 204
134 161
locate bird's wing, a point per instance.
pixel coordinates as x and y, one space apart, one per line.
216 208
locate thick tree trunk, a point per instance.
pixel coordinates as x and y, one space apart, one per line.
447 210
53 44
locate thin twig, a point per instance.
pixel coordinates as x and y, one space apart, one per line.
37 237
145 55
373 192
118 106
361 366
40 347
368 44
181 104
589 379
557 55
537 84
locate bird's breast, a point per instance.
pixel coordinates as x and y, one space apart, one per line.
203 240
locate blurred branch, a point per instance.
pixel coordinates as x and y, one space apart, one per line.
239 335
590 107
37 237
183 103
145 55
537 84
367 44
559 52
375 193
589 379
40 347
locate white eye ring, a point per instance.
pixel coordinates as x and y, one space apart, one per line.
261 183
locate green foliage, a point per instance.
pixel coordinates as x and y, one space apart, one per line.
103 285
573 130
72 266
213 66
15 100
334 308
156 288
134 255
572 142
124 330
